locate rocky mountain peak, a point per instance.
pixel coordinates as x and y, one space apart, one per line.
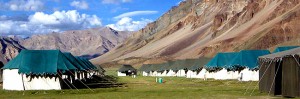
10 48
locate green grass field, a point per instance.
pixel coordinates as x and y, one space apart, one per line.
146 87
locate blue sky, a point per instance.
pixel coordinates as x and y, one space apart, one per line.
26 17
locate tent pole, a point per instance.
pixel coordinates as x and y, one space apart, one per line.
261 78
70 83
23 85
64 81
83 83
274 79
297 61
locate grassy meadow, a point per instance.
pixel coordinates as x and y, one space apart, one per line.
146 87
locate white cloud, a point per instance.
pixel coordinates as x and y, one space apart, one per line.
115 1
117 9
23 5
128 24
79 4
135 13
45 23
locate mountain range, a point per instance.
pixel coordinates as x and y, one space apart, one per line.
194 28
87 43
197 28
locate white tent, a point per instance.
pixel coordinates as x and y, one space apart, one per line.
180 73
26 73
249 75
221 75
126 70
171 73
164 73
191 74
121 74
204 74
154 73
145 73
232 75
12 80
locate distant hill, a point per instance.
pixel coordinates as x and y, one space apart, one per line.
88 43
198 28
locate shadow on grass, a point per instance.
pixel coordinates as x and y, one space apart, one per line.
95 82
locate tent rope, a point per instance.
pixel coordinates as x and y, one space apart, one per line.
69 82
297 61
252 81
65 82
83 83
274 79
260 78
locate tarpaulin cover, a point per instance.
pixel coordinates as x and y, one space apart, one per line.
155 67
75 62
179 64
278 56
199 63
163 66
86 63
170 64
144 67
189 63
40 62
192 64
221 60
284 48
247 59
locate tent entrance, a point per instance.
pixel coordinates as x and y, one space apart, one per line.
128 73
278 78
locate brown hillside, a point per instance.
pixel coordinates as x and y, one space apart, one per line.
204 27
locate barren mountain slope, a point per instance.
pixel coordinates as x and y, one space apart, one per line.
204 27
91 42
9 49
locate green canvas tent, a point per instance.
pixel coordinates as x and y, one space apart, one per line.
41 69
41 62
125 68
280 73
